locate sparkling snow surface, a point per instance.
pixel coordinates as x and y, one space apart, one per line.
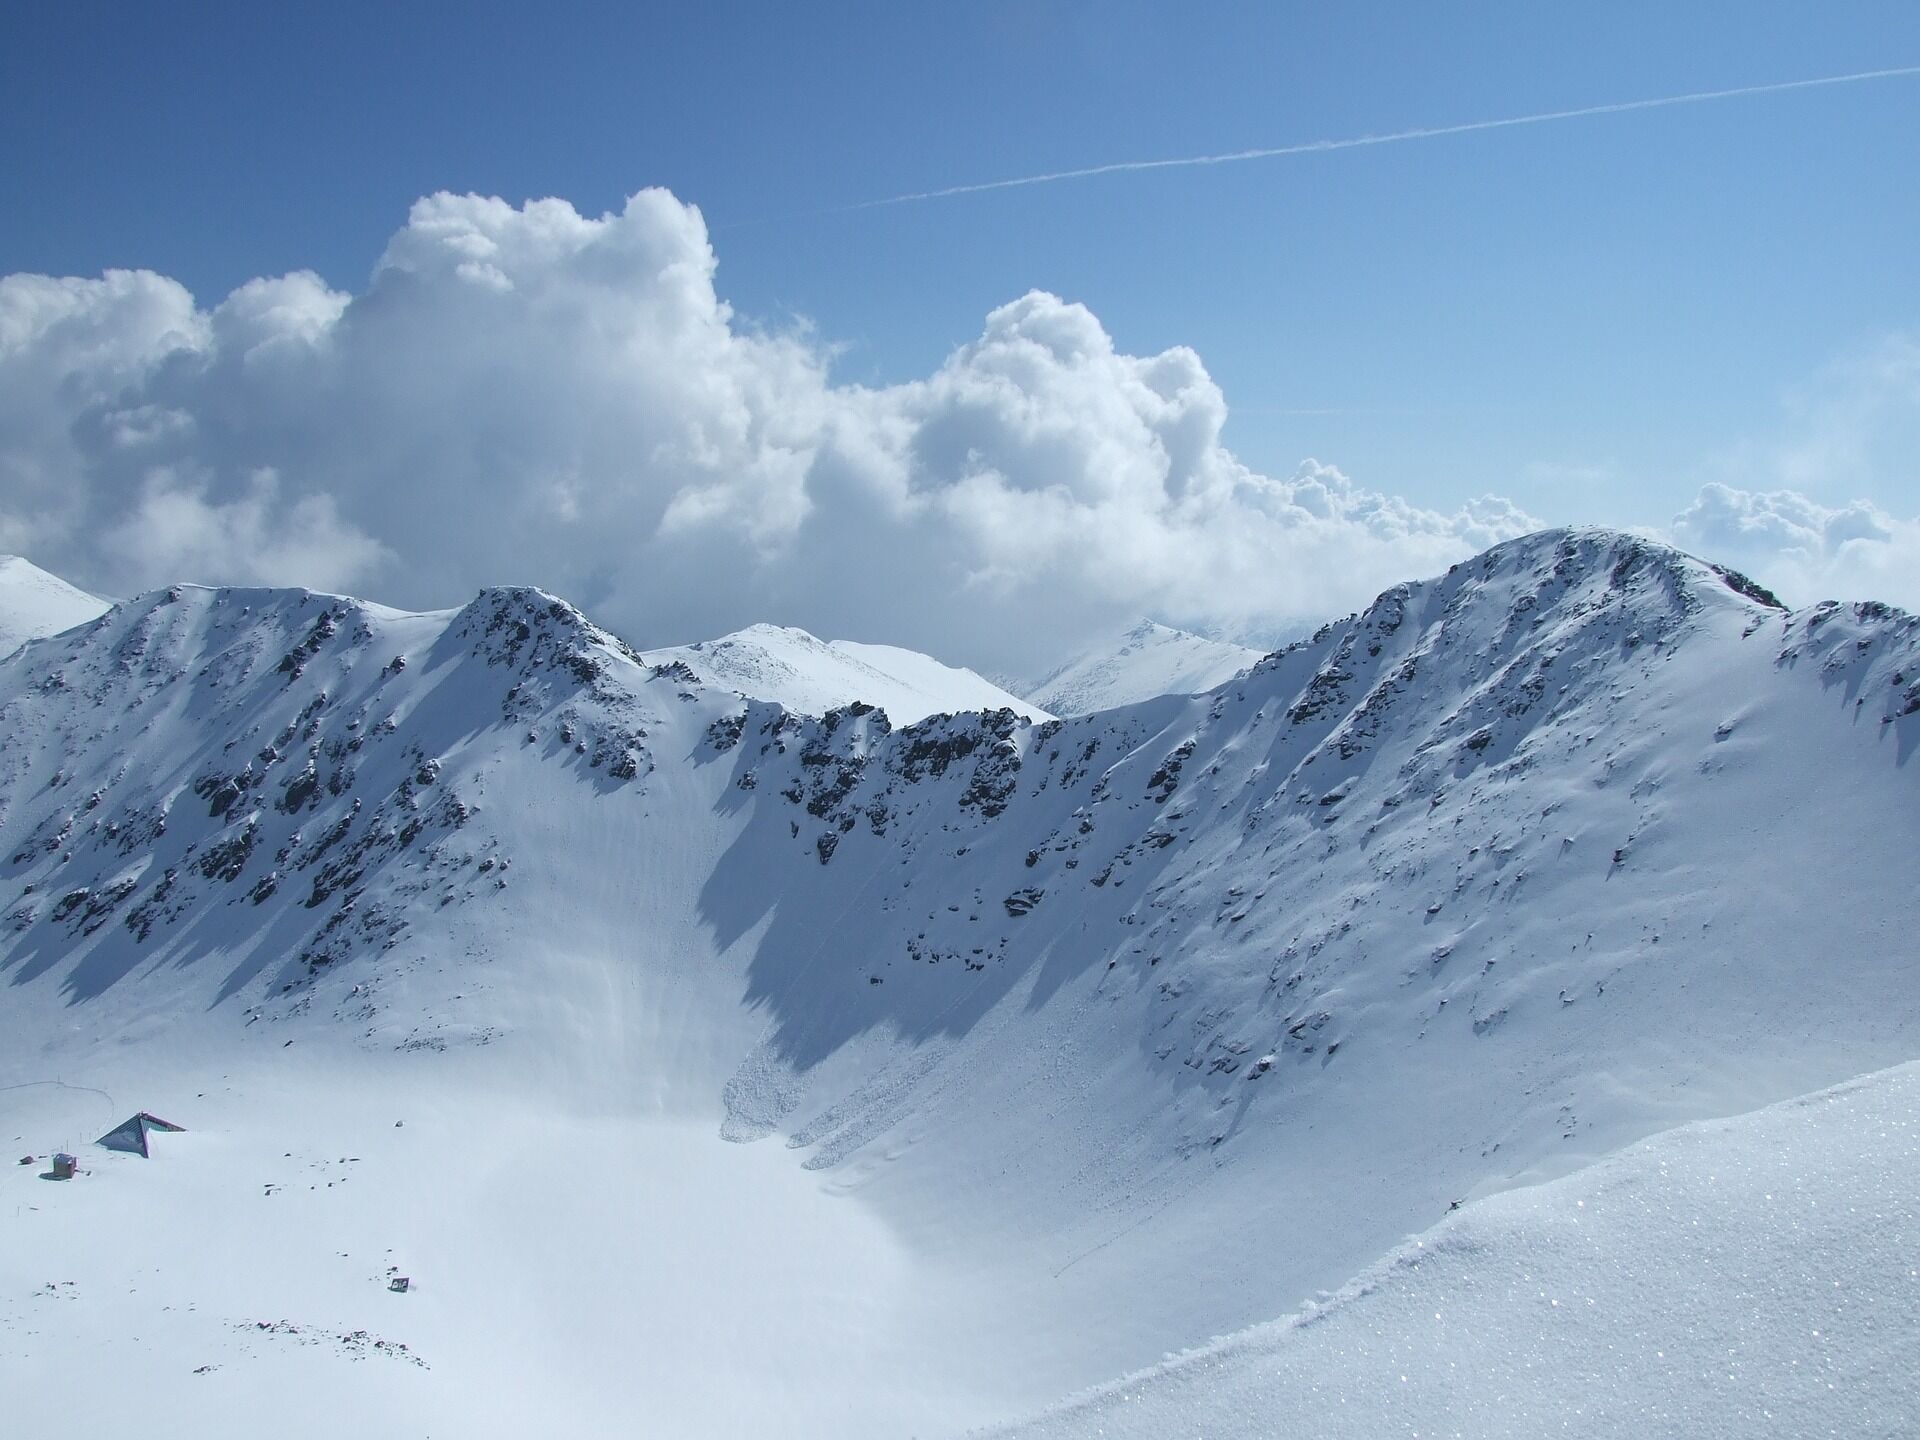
1753 1276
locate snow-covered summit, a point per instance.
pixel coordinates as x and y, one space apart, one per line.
1138 663
1516 867
811 676
34 603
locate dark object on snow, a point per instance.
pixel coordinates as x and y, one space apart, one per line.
63 1165
399 1284
26 1159
130 1134
1021 901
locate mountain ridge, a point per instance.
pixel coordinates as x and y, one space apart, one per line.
1430 904
812 676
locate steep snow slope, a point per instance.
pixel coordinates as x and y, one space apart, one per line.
1740 1277
811 676
1146 660
34 603
1122 1031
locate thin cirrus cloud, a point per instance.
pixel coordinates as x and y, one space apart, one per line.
526 394
1393 137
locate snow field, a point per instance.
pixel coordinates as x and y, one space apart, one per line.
630 1273
1751 1276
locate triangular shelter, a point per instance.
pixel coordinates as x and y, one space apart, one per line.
131 1134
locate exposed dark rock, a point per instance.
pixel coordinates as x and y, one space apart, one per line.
1021 901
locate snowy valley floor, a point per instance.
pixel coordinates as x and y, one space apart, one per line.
623 1274
638 1276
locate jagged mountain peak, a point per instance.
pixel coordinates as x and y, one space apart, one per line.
1575 567
1584 577
1577 555
521 624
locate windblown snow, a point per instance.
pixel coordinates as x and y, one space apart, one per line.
809 676
716 1069
1140 663
34 603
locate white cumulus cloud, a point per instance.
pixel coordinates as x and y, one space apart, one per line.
1853 426
529 394
1805 550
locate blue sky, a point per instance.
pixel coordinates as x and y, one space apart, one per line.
1591 318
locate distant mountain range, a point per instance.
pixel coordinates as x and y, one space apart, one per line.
810 676
1143 661
34 603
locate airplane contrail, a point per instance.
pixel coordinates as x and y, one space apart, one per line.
1393 137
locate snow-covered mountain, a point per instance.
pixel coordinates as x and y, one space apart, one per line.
1139 663
821 1076
810 676
34 603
